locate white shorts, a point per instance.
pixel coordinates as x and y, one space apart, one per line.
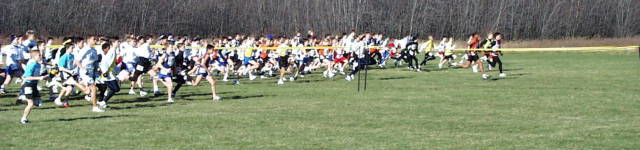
86 80
70 81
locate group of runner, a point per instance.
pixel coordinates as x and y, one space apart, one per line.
95 66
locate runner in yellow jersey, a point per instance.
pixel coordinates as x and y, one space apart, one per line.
428 48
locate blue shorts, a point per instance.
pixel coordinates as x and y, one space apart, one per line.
306 60
203 74
11 70
162 76
385 54
246 60
130 67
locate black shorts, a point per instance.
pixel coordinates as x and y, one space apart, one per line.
31 91
262 62
179 79
473 58
66 76
283 61
144 64
448 57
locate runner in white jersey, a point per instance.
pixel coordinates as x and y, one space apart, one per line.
13 64
107 67
128 55
87 62
142 53
28 43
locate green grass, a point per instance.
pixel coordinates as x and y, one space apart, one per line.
548 101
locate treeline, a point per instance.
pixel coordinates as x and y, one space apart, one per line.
518 19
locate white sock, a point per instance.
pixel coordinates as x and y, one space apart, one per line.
475 68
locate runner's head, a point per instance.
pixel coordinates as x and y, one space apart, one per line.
106 46
41 45
30 34
14 39
91 40
148 39
498 36
49 40
35 54
210 48
181 46
79 42
168 47
115 41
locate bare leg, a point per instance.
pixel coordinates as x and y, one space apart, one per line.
479 62
213 85
7 80
139 82
27 110
81 87
197 80
93 90
133 84
169 84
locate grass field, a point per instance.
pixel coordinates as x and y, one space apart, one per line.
548 101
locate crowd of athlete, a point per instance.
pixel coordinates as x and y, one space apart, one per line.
95 66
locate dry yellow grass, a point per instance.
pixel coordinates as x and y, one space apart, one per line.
545 43
574 42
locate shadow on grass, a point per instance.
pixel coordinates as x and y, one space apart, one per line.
512 69
243 97
135 100
511 76
88 118
10 104
138 106
8 96
226 98
190 94
309 81
394 78
35 107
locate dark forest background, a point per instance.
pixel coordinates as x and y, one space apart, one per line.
518 19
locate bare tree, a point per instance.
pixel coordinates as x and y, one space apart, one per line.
519 19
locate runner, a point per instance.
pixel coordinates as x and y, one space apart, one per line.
427 48
203 71
13 64
494 57
107 67
87 63
31 76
